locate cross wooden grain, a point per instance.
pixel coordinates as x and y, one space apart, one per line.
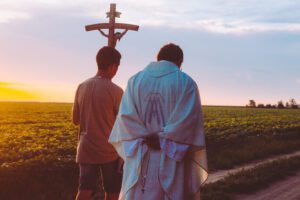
112 26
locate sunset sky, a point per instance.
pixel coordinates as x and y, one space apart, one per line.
234 50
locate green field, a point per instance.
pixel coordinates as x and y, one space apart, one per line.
30 131
38 144
228 122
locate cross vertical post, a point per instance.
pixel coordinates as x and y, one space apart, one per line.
112 36
111 31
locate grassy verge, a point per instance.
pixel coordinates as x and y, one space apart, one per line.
39 181
232 152
251 180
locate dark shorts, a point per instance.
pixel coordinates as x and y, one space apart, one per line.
94 175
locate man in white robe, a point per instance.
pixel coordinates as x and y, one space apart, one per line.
159 132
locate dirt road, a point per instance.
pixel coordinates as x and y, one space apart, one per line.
288 189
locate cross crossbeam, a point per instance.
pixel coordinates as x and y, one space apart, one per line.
112 36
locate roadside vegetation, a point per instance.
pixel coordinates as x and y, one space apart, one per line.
246 182
237 135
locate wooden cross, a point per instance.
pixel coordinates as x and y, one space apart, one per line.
112 26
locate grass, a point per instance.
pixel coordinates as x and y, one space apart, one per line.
39 181
249 181
226 154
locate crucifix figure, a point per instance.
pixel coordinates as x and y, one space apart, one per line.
112 36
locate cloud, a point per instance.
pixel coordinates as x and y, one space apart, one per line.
219 16
238 27
10 15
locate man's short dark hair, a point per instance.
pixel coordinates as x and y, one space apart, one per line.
107 56
171 52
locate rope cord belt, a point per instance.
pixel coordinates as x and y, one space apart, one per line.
144 174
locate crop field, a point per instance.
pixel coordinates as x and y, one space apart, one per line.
30 131
38 144
37 151
228 122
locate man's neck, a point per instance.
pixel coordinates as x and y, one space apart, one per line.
103 74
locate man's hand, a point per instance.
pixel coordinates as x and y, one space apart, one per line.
153 142
120 165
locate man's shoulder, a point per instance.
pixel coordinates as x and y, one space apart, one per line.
86 81
117 88
187 78
135 76
82 84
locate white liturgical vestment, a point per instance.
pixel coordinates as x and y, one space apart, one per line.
161 100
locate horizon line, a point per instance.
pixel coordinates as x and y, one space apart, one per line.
64 102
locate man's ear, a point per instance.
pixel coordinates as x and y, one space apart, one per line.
116 66
112 66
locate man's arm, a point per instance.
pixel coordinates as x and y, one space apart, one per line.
172 149
118 99
76 110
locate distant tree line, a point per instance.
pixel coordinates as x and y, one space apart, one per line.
280 104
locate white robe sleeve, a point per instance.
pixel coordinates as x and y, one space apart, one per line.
172 149
131 146
128 124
